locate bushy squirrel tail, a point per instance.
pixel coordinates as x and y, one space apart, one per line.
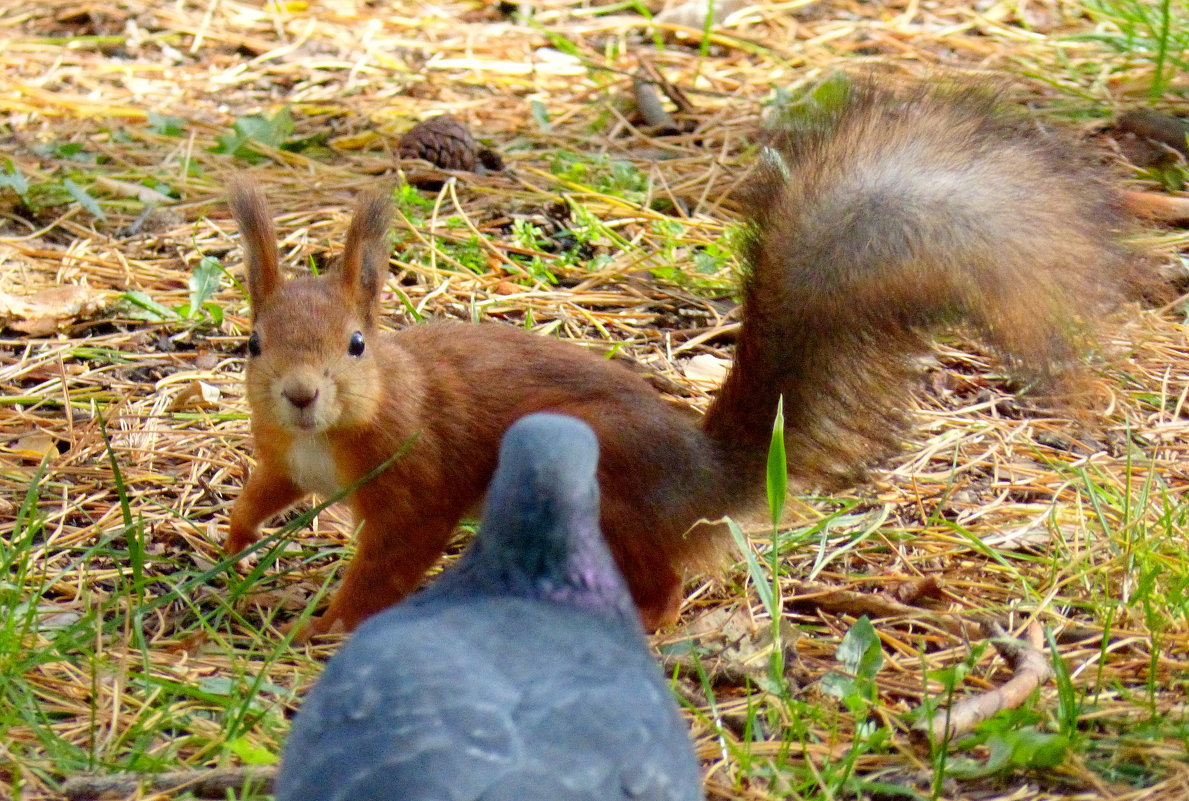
876 222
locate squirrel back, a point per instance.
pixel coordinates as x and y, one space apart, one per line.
876 222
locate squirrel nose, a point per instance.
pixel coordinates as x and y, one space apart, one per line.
300 397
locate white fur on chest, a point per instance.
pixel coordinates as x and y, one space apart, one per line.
311 465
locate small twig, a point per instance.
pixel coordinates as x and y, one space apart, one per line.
1031 668
874 604
209 783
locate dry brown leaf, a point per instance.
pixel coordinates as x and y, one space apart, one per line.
35 446
56 616
356 141
196 395
288 599
741 648
191 644
692 13
128 189
1032 536
707 370
41 313
917 588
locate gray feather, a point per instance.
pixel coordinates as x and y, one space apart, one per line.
521 675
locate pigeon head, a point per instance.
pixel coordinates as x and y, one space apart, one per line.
540 534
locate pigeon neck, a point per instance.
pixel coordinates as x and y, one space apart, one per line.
547 545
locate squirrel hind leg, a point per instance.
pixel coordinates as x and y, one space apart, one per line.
656 548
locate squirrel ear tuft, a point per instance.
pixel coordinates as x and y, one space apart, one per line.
257 238
365 256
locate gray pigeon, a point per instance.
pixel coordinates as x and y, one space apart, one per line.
520 675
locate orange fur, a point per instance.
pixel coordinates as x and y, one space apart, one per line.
890 217
1166 208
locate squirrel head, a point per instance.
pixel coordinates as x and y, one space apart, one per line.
311 358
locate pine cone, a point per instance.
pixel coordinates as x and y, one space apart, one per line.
443 141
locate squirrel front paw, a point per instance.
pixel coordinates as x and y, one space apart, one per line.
239 538
655 617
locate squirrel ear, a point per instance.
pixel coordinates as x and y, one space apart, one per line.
365 256
257 238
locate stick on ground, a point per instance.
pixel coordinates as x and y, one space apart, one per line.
1031 668
211 783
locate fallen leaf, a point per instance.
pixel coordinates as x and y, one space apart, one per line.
288 599
37 327
1028 537
707 370
737 648
41 313
914 589
191 644
35 446
692 13
206 361
197 395
353 141
56 617
128 189
1018 472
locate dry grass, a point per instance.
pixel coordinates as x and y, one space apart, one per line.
129 645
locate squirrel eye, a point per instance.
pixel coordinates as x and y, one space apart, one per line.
355 347
254 344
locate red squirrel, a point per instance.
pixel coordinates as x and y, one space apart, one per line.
871 225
